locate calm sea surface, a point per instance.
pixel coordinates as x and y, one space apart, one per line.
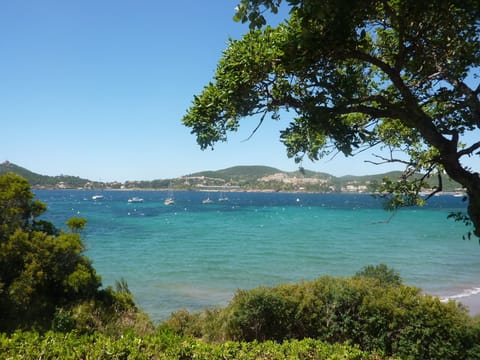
192 255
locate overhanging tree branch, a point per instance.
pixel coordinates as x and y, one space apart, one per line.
387 69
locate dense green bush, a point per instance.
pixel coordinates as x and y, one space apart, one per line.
375 313
45 279
260 314
385 275
167 346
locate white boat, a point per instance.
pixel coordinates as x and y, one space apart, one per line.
135 199
97 197
169 201
223 198
207 201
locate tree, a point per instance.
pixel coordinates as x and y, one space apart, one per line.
46 281
41 268
18 210
76 224
400 74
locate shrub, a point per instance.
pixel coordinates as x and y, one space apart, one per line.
184 323
259 314
380 315
110 312
166 346
381 272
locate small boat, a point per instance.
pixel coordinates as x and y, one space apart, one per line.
207 201
97 197
135 199
223 198
169 201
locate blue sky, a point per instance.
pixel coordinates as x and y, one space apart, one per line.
97 89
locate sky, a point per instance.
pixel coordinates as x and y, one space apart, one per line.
97 89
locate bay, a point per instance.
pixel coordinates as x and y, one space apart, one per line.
193 255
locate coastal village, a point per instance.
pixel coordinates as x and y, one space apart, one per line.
276 182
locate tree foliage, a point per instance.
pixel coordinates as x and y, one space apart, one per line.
401 74
18 210
382 273
45 278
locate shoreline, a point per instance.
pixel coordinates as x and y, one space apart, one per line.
472 302
469 298
227 190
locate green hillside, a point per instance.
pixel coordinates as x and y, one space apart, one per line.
239 172
37 180
377 177
9 167
241 177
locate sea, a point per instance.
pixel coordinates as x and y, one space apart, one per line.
192 255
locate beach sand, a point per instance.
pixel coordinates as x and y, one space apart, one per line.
473 303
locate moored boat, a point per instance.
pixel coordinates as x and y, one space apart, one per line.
169 201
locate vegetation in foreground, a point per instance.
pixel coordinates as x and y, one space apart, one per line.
373 310
52 306
166 345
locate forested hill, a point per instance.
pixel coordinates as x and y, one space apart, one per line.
252 178
239 173
255 172
37 180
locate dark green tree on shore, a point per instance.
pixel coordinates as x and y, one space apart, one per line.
45 278
41 268
357 74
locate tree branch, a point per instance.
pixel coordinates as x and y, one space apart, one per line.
258 126
469 150
385 160
439 187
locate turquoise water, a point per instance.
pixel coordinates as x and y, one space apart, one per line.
192 255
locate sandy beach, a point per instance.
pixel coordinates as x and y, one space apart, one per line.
473 303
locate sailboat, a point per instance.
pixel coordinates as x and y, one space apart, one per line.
223 198
169 201
207 201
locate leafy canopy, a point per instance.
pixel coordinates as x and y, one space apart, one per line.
41 268
45 278
402 74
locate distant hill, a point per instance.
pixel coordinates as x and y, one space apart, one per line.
39 181
6 167
377 177
256 172
262 178
239 172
